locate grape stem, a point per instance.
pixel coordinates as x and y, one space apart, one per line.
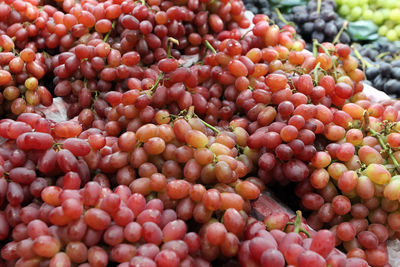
247 32
57 146
344 26
385 148
364 63
329 55
315 71
381 55
108 33
210 126
170 42
319 6
191 114
365 122
297 225
280 16
210 47
186 115
159 78
314 48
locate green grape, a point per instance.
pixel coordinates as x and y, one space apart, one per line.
378 3
391 35
383 30
368 14
386 13
395 15
390 24
378 17
397 29
344 10
353 4
355 13
391 4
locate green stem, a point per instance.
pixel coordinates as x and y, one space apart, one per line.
344 26
385 148
210 126
170 42
190 113
108 33
297 225
314 48
280 16
319 6
329 55
381 55
247 32
297 222
286 226
315 71
187 114
210 47
160 76
364 63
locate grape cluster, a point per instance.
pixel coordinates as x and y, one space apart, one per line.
348 189
382 66
294 248
84 220
177 121
310 24
323 26
385 14
259 7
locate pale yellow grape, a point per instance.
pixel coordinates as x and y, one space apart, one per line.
383 30
352 4
391 4
386 13
355 13
390 24
397 29
395 15
378 17
344 10
368 14
391 35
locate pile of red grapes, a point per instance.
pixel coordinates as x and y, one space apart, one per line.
180 115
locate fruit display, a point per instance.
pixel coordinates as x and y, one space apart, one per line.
385 14
313 20
381 63
179 115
